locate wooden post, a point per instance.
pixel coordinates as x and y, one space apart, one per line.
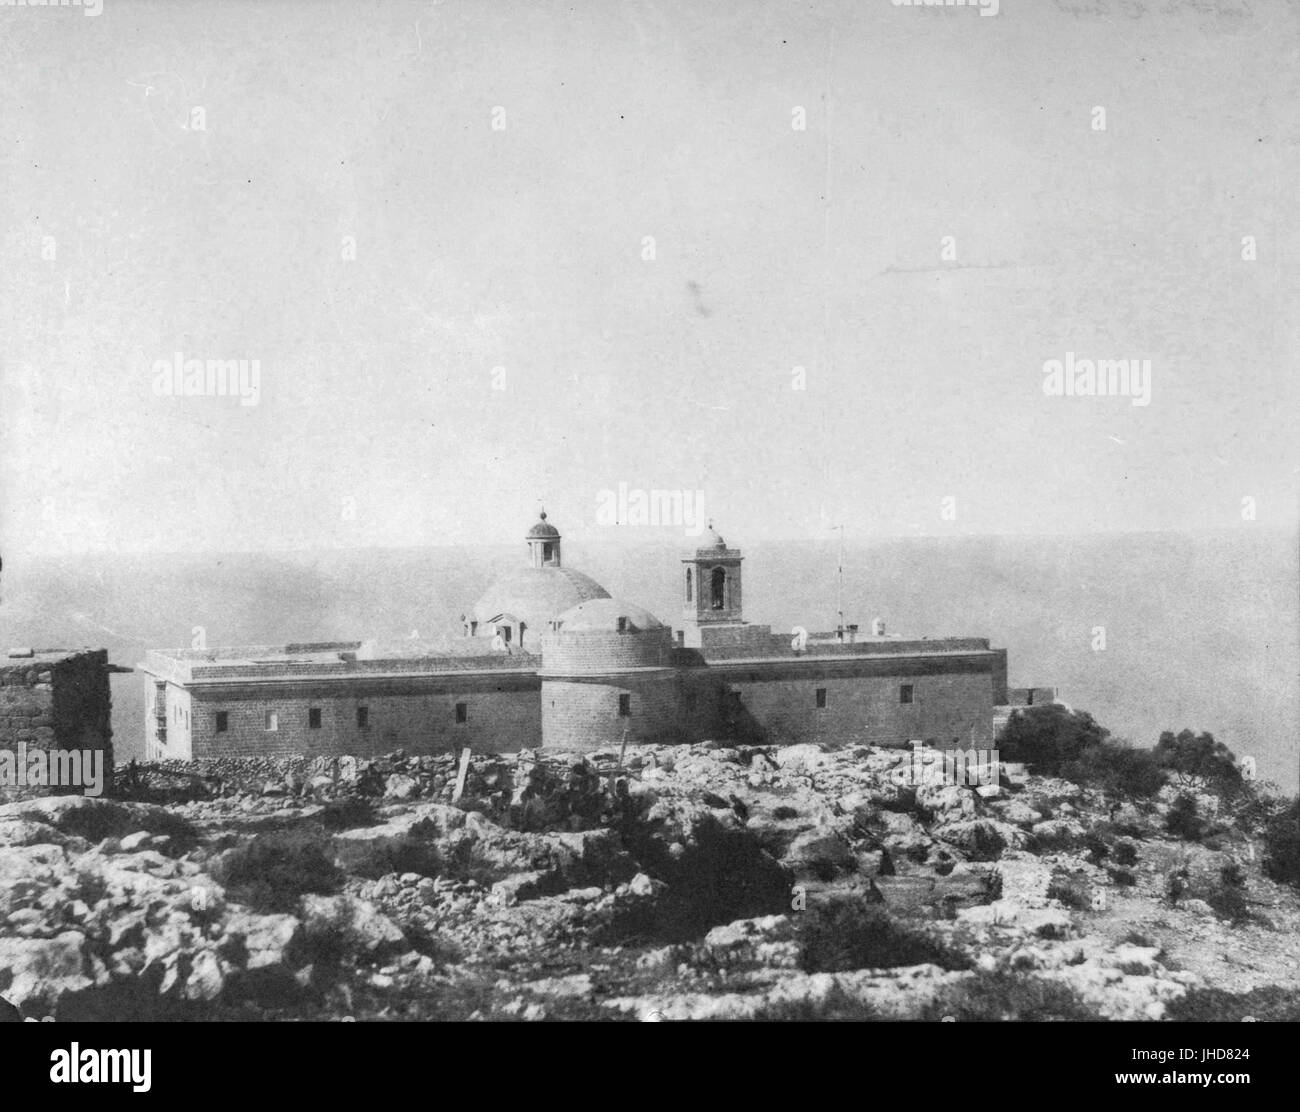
460 776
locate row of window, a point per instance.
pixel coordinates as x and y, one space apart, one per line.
272 720
906 694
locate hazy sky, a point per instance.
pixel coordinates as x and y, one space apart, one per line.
224 233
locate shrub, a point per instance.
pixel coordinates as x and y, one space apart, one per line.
1273 1003
1006 997
275 868
1121 878
848 933
1097 849
1282 845
1198 761
1073 891
1119 770
1125 853
1182 820
783 813
1048 737
1228 896
345 814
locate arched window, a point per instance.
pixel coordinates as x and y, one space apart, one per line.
690 590
719 588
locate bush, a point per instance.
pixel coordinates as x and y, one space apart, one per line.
276 868
1119 770
345 814
1007 997
848 933
781 814
1072 890
1125 853
1228 897
1282 845
1271 1004
1198 761
1049 737
1121 878
1183 821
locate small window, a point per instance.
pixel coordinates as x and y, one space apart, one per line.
622 625
905 693
462 712
363 717
313 718
272 721
624 706
690 587
821 697
223 721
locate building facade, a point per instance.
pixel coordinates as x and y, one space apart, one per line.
548 658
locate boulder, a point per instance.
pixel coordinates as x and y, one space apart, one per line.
40 971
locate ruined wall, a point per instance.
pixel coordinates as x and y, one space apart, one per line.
53 701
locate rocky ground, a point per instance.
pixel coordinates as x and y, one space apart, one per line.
699 882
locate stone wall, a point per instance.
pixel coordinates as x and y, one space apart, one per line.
52 701
583 714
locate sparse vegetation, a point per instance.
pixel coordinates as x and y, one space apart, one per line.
847 933
1183 820
1282 845
1124 854
1005 997
276 868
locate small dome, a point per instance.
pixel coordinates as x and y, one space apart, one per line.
603 614
712 539
542 530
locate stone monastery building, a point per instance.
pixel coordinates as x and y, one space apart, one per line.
548 658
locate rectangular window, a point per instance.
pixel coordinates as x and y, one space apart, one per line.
462 712
624 706
622 625
905 693
363 717
821 697
223 721
313 718
272 721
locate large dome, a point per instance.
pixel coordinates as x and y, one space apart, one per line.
536 595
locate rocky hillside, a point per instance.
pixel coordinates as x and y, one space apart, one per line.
699 882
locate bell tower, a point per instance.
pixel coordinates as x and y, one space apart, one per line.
711 594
